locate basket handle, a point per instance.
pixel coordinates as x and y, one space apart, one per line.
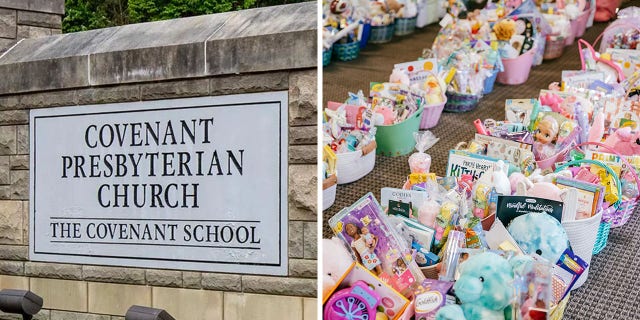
582 42
616 205
368 148
614 24
624 161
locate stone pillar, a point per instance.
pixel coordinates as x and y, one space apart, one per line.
20 19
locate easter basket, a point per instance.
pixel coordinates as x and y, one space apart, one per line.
381 34
554 47
583 235
405 26
461 102
356 164
602 235
397 139
579 24
431 114
627 205
329 186
346 51
516 70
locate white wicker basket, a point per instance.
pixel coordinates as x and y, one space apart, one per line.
329 187
582 236
357 164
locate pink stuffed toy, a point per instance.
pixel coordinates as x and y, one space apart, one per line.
625 141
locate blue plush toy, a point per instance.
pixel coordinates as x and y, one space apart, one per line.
538 232
485 288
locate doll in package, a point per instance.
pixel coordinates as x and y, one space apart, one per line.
376 245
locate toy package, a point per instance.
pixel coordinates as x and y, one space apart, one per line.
375 243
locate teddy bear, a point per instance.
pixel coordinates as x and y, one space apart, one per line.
485 288
625 141
335 262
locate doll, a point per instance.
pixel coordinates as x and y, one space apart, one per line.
545 135
364 252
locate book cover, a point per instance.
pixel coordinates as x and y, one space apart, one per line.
462 162
403 202
511 207
590 196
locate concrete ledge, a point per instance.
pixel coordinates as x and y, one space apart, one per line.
256 40
50 6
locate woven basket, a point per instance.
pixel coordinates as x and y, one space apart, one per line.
352 166
405 26
460 102
346 51
582 235
557 312
602 238
326 56
430 272
329 186
554 47
381 34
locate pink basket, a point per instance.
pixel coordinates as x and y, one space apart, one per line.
431 115
516 71
352 110
579 25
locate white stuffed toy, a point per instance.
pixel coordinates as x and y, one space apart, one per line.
335 262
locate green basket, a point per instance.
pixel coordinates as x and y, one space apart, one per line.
405 26
326 56
381 34
397 139
346 51
602 237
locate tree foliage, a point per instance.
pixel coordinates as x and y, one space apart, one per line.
81 15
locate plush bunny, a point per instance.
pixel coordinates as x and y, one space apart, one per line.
625 141
335 262
500 179
485 288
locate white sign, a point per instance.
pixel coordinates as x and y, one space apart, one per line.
193 184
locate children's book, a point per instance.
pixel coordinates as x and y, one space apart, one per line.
511 207
376 244
590 196
402 202
417 232
463 162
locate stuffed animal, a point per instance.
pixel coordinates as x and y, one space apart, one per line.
504 29
335 262
625 141
500 179
485 288
394 5
398 76
518 178
540 233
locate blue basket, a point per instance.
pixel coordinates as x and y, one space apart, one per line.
489 81
405 26
346 51
326 56
381 34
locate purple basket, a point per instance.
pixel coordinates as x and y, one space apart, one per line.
431 115
459 102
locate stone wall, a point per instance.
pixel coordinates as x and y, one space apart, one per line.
201 56
20 19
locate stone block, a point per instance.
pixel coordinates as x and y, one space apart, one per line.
7 23
164 278
296 239
25 222
303 135
5 192
10 222
7 140
115 299
52 6
53 270
6 44
174 89
15 268
301 268
9 102
192 280
12 117
113 274
282 51
5 165
303 98
303 196
221 282
147 64
69 72
42 315
189 304
114 94
18 253
57 294
39 19
19 162
310 308
30 32
307 154
23 140
310 240
243 306
14 282
20 184
48 99
247 83
279 286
